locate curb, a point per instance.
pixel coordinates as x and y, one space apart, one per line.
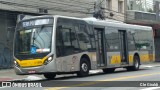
6 79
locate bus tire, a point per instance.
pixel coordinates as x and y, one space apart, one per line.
136 64
49 76
108 70
84 68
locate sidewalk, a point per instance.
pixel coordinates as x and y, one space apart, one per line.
9 74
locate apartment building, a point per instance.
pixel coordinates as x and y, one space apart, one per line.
115 9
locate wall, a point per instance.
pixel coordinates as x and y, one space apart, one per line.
7 26
8 21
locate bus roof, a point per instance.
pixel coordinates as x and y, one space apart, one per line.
118 24
94 21
109 22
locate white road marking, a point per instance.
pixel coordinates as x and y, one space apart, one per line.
147 66
3 87
151 88
94 71
32 78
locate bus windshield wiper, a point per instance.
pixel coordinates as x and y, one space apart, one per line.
35 37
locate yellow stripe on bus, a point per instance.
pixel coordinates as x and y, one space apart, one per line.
130 58
116 59
152 57
147 57
31 63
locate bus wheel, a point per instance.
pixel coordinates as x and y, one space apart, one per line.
49 75
136 64
84 68
109 70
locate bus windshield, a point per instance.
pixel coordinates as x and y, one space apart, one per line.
33 40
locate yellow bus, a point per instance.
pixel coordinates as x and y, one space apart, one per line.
51 45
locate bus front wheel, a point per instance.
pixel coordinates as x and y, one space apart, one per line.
84 68
49 76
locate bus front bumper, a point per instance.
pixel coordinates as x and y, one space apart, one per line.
36 70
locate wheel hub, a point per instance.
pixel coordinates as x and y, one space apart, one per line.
84 67
136 64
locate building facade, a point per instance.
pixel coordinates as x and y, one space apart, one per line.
114 9
117 8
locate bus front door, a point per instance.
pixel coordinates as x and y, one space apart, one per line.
99 36
123 44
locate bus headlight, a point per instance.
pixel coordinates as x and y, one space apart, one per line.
49 59
16 64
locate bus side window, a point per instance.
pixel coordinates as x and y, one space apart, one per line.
59 44
70 41
112 39
83 38
92 38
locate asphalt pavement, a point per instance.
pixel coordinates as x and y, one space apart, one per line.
119 80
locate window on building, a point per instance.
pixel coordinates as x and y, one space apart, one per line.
120 6
109 4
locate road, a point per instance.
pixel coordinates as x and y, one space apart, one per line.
97 79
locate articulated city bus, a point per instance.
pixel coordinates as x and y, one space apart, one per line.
51 45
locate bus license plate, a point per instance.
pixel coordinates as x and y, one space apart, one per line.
31 71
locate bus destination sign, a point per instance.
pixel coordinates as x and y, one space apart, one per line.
35 22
